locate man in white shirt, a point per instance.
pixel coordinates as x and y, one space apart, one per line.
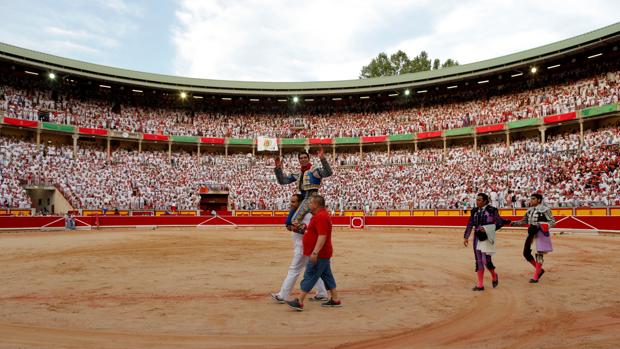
299 260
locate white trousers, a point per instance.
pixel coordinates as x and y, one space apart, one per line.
294 270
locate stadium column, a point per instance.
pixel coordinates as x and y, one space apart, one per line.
580 132
75 139
475 142
108 148
445 147
199 159
139 145
361 150
253 149
542 130
388 144
38 137
415 146
169 150
333 152
507 138
226 149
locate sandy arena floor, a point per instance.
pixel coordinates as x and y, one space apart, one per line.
207 288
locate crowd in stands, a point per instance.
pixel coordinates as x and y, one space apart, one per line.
565 170
560 97
566 173
11 192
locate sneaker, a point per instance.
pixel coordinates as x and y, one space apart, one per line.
276 297
532 281
495 282
318 298
476 288
295 304
331 303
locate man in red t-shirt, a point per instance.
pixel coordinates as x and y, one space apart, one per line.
318 246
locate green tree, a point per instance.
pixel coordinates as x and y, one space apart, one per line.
450 63
420 62
399 63
379 66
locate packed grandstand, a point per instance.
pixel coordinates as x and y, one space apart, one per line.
427 146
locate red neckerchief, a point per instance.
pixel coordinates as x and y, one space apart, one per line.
306 168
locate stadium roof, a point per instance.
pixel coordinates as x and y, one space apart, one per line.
519 60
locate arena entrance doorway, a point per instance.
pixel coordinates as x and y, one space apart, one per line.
214 197
46 199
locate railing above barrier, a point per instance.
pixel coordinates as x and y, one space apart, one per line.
609 109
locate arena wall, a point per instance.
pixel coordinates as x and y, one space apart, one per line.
568 223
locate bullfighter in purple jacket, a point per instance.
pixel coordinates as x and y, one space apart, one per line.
483 215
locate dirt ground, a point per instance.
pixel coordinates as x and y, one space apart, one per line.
209 288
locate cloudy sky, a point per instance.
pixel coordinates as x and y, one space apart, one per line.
279 40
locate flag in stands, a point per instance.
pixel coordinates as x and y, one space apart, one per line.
267 144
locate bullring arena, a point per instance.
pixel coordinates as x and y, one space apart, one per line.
209 288
142 210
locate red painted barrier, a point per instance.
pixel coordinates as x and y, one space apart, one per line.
21 123
374 139
93 131
560 117
212 140
314 141
591 222
151 137
490 128
27 222
448 221
434 134
610 223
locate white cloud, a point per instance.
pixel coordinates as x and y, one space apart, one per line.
81 38
276 40
91 31
122 7
57 46
330 40
280 40
478 30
